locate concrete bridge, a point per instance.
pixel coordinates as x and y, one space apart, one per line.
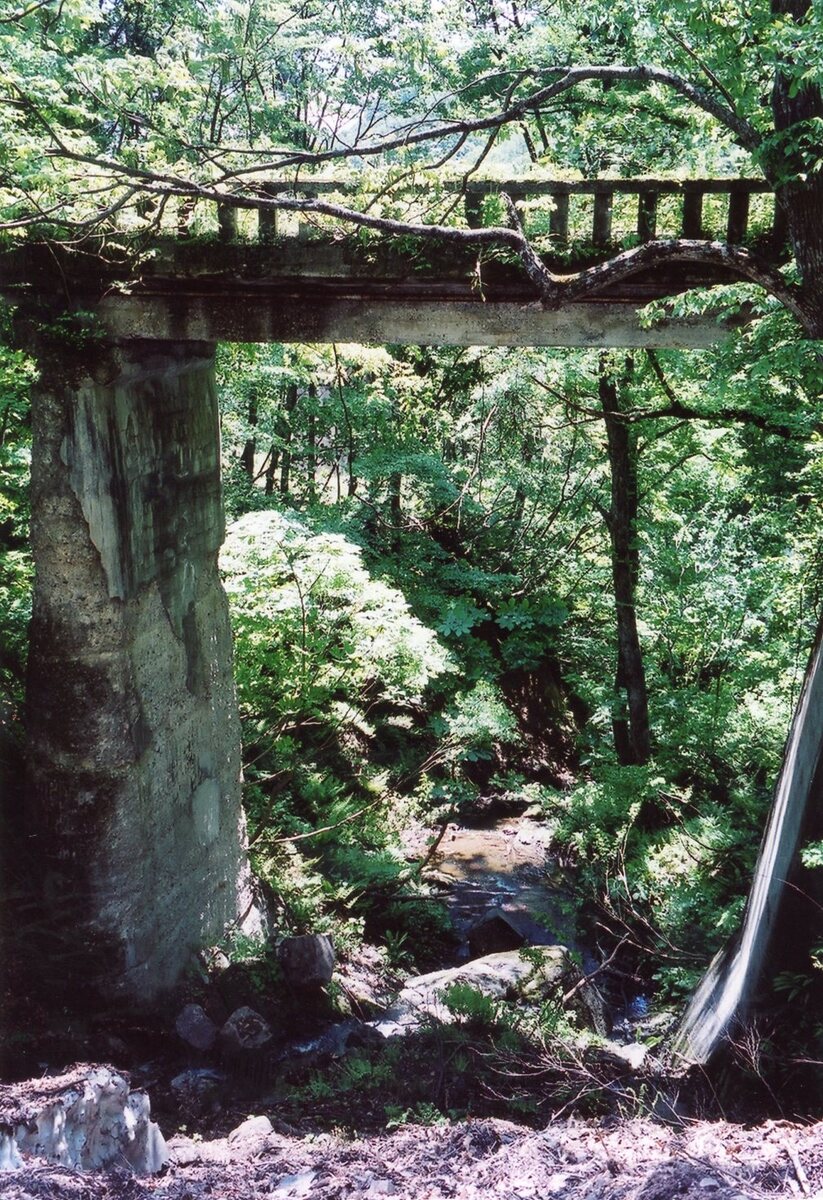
133 811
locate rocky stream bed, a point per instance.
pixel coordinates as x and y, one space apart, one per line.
224 1131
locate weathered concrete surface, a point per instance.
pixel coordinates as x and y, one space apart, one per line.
302 317
133 804
315 290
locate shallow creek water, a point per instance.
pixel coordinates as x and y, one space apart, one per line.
504 866
507 865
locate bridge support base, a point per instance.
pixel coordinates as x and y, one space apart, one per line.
133 807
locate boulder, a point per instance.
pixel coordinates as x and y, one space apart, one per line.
251 1137
196 1028
307 960
197 1091
245 1031
507 975
335 1043
249 1140
87 1117
495 932
507 927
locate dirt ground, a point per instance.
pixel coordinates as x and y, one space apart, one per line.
609 1159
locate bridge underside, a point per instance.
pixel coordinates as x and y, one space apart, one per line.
311 291
283 317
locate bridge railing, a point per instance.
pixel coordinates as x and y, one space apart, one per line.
599 214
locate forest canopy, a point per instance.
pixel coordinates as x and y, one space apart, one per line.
111 112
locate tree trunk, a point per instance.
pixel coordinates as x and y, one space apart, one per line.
350 444
250 449
311 454
799 183
527 453
289 405
271 469
630 720
396 508
395 498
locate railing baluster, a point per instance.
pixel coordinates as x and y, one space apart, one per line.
559 218
692 223
738 217
473 207
266 225
692 214
602 224
227 222
646 216
185 211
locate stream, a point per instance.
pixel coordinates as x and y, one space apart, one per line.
503 867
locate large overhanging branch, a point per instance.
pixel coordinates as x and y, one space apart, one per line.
555 290
514 111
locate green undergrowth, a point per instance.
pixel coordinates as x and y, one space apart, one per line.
495 1059
357 720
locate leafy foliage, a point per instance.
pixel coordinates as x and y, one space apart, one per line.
422 575
427 636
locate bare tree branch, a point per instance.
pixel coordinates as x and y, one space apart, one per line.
570 77
26 12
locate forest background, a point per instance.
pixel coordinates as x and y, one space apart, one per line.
577 580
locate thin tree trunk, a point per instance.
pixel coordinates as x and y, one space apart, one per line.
290 404
630 721
250 449
396 507
527 452
311 454
350 446
395 498
271 469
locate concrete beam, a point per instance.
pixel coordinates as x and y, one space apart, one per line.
256 317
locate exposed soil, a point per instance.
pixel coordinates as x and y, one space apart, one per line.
571 1160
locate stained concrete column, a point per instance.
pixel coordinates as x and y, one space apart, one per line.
134 790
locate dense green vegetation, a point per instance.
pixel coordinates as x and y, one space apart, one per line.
425 615
583 581
16 374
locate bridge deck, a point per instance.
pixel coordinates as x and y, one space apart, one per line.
217 272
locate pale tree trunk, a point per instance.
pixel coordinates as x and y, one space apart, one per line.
782 916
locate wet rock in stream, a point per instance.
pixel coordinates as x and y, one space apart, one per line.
507 975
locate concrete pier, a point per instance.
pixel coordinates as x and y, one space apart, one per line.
134 787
